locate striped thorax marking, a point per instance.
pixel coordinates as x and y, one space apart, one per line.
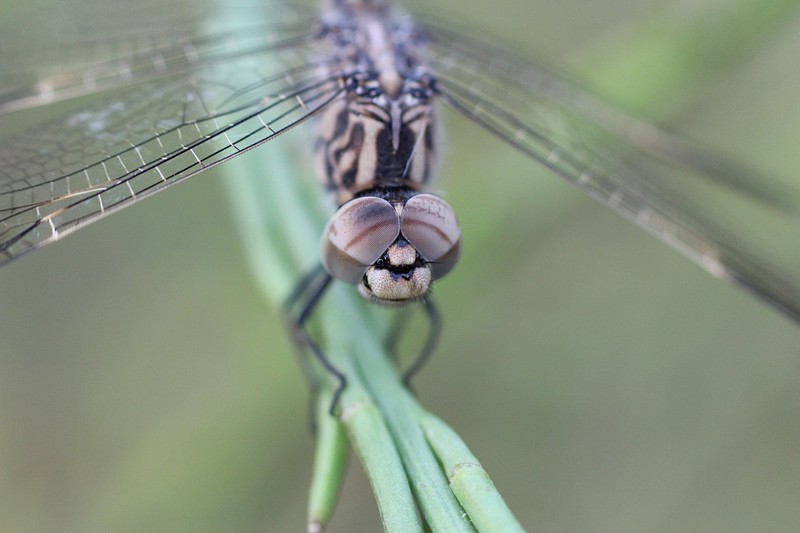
381 133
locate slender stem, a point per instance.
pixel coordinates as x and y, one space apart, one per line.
330 460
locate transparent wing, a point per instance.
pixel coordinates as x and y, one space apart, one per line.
157 126
739 225
56 54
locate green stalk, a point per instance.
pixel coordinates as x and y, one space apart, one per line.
382 419
468 479
330 459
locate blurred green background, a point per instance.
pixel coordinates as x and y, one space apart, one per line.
605 382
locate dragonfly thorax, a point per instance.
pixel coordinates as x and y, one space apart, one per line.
380 133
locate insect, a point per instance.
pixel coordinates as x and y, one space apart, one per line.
369 80
194 129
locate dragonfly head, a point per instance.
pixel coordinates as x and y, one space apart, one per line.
393 251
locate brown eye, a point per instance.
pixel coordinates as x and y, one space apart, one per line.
357 235
430 225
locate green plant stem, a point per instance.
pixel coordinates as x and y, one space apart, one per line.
330 459
373 370
381 417
468 479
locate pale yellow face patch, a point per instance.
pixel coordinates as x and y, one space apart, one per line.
388 288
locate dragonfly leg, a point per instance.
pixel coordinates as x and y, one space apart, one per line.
308 292
435 322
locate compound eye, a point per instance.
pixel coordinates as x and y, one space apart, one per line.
357 235
430 225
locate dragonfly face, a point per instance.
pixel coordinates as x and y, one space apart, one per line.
392 249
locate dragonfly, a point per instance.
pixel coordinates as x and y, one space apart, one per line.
160 103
